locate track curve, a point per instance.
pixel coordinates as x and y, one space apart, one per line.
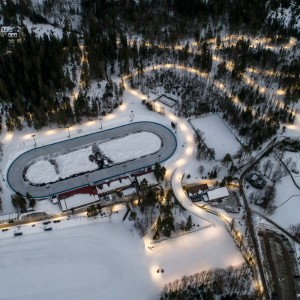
15 171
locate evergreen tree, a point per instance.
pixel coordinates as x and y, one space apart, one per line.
189 223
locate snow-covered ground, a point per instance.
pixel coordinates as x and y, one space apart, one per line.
103 260
132 146
77 161
287 202
41 172
217 135
41 29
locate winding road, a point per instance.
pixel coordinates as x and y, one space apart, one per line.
15 172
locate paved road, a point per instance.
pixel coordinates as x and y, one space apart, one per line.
16 181
249 219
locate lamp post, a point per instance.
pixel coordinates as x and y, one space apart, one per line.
87 178
66 207
100 119
48 188
132 116
33 136
69 131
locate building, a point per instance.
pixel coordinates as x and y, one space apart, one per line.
12 32
196 192
129 192
218 194
113 185
256 180
151 180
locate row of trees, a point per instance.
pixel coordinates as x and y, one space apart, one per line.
20 202
229 283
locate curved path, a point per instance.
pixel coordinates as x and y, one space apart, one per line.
18 184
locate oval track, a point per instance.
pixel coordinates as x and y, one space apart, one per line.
18 184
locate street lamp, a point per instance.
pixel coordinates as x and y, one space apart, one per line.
48 188
132 116
66 207
100 119
69 131
33 136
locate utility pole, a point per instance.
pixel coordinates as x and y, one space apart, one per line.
33 136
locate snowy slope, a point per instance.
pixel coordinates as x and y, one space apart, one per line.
60 12
288 17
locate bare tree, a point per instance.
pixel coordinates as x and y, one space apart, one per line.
295 230
267 167
201 169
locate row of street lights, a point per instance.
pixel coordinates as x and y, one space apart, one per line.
69 134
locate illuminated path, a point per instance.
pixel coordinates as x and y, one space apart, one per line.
18 184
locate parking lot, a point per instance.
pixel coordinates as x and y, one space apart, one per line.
279 262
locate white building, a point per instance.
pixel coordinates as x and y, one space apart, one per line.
12 32
218 194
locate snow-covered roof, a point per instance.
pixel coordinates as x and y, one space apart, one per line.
77 200
129 191
7 217
113 185
197 189
217 193
149 177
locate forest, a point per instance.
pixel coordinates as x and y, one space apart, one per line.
38 74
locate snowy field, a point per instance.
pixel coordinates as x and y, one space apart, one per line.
103 260
217 135
41 29
77 161
287 202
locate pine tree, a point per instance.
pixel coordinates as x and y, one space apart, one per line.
189 223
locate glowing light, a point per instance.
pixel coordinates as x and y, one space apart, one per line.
280 92
189 150
153 272
235 100
110 116
189 138
27 136
171 117
8 137
51 132
90 123
262 90
183 127
180 162
123 107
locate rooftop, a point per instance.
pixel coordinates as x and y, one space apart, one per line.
217 193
